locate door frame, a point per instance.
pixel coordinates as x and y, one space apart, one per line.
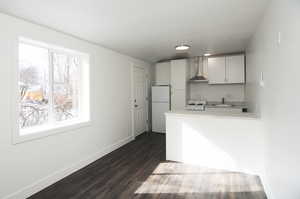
147 83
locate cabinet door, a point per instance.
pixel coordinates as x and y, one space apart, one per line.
162 73
235 69
216 70
178 100
179 74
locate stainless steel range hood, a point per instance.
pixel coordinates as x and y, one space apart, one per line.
199 77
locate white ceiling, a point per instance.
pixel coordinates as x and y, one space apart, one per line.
148 29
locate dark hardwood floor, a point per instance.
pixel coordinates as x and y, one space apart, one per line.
139 170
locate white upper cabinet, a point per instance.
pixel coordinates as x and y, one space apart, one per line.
162 73
216 70
179 73
226 70
235 69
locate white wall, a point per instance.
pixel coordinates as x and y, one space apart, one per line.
277 102
28 167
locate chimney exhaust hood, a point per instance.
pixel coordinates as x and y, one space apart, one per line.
199 77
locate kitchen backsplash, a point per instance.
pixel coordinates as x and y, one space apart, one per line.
232 92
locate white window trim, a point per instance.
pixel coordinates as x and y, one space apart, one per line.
60 127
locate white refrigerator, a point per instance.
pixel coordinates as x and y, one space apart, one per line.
160 105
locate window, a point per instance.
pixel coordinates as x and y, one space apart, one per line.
53 89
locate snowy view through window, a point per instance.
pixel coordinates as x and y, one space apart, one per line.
48 86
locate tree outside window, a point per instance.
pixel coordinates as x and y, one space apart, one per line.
49 86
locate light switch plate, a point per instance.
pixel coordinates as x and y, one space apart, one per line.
279 38
261 81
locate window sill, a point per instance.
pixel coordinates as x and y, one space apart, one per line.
45 131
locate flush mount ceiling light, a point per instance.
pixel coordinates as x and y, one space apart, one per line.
207 54
182 47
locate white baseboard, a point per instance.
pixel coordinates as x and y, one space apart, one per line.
60 174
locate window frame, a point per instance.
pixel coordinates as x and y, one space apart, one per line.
52 127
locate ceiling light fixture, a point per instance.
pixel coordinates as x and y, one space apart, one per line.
182 47
207 54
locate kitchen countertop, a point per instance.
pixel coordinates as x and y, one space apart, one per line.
184 113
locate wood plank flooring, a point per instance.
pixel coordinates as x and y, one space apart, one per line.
139 170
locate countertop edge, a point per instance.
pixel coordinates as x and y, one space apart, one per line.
185 113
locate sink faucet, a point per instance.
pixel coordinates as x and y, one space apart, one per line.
223 100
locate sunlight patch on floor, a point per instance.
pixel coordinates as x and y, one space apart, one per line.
177 178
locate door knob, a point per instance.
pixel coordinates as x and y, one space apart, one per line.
135 105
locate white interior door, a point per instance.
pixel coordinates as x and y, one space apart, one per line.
139 97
